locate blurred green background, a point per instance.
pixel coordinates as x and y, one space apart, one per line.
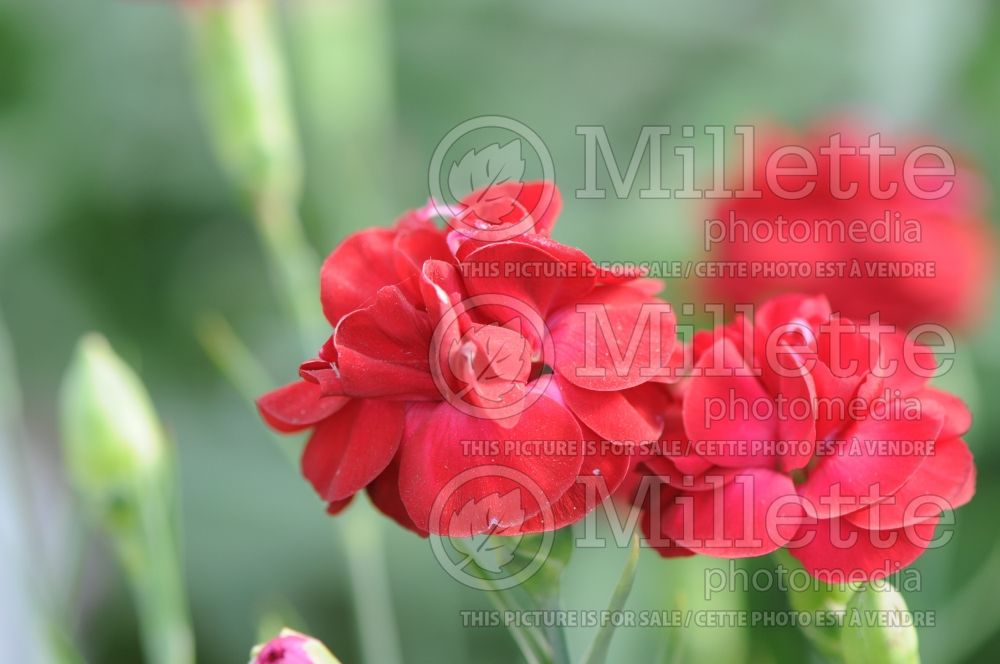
114 216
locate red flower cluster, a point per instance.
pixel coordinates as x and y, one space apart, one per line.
479 371
887 237
804 430
450 344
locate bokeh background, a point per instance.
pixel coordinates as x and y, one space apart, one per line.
114 216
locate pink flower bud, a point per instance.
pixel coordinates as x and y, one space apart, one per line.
290 647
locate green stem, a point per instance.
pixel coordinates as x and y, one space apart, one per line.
598 651
293 264
232 357
240 61
150 557
358 533
361 536
532 644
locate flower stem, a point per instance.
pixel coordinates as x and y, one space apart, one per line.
151 562
293 263
241 64
366 565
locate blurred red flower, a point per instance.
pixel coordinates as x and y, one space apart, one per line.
453 348
900 235
803 429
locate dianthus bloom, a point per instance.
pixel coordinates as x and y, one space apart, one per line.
804 430
903 235
472 361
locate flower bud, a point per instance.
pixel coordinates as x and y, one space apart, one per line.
291 647
825 603
241 72
112 439
878 629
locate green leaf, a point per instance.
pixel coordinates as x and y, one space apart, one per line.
598 651
543 585
877 629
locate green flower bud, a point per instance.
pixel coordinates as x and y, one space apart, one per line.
826 602
112 439
241 71
242 75
118 459
877 629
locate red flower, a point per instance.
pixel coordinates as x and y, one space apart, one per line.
913 247
806 430
454 351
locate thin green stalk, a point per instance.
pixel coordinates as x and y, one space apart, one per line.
121 465
545 644
294 266
532 644
364 545
359 535
597 653
232 357
150 559
240 63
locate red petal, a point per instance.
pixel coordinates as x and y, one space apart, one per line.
414 245
847 356
489 369
529 274
652 531
813 310
383 349
874 462
441 288
543 202
957 417
908 363
755 512
797 420
722 412
941 482
703 480
355 271
325 375
297 406
384 493
338 506
613 339
600 476
435 456
858 554
491 209
629 416
350 449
